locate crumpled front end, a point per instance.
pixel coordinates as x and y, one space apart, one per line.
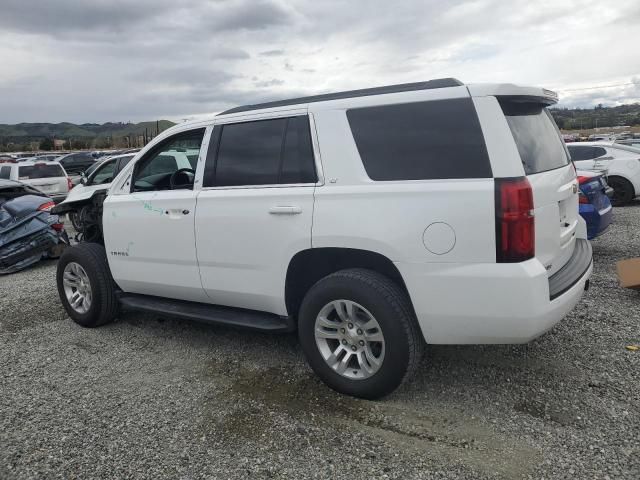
26 241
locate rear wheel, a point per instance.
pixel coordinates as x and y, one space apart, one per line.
623 191
85 285
359 333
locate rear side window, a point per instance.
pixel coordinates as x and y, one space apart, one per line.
582 152
39 170
5 172
440 139
263 152
536 135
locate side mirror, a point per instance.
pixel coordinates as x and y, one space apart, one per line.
83 179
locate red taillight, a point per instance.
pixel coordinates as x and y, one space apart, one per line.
58 227
45 207
582 198
515 226
69 184
584 179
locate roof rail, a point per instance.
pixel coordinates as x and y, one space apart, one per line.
402 87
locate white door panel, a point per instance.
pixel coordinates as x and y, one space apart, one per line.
150 243
150 233
245 238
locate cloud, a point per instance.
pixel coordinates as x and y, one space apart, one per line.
110 60
272 53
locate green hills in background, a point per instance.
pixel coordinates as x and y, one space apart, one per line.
27 136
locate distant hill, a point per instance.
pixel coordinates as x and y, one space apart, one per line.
25 136
588 118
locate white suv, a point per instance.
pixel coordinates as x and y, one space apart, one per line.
371 221
47 176
620 162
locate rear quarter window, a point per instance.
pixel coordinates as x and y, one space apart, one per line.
28 172
439 139
536 135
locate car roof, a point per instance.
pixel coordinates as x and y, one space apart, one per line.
545 96
29 163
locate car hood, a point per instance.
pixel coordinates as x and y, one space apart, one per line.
80 193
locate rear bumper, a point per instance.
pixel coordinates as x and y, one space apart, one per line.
597 221
488 303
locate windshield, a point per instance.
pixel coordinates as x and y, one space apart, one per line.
538 139
39 170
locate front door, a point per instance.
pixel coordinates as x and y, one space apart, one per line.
149 230
255 210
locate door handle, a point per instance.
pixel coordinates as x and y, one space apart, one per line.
176 213
285 210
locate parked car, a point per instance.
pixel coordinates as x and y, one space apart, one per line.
371 221
594 203
76 163
28 231
47 157
630 142
621 162
49 177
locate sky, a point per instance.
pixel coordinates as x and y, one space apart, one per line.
115 60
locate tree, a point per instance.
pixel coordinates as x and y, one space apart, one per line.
46 144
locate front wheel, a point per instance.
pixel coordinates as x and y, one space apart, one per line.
85 285
359 333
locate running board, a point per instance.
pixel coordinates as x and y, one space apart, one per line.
206 313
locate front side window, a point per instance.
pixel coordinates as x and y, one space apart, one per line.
262 152
5 172
439 139
167 166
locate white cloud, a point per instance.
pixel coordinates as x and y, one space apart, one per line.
132 60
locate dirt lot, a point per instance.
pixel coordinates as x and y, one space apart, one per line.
152 398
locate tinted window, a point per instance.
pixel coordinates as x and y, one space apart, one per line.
599 152
249 153
538 139
5 172
39 170
417 141
297 160
580 152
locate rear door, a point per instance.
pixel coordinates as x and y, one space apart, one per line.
255 209
547 165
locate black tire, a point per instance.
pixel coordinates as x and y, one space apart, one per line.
391 308
623 191
104 303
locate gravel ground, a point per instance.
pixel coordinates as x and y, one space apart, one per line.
152 398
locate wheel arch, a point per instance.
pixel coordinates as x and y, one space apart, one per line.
309 266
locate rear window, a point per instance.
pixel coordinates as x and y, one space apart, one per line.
40 170
440 139
536 135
